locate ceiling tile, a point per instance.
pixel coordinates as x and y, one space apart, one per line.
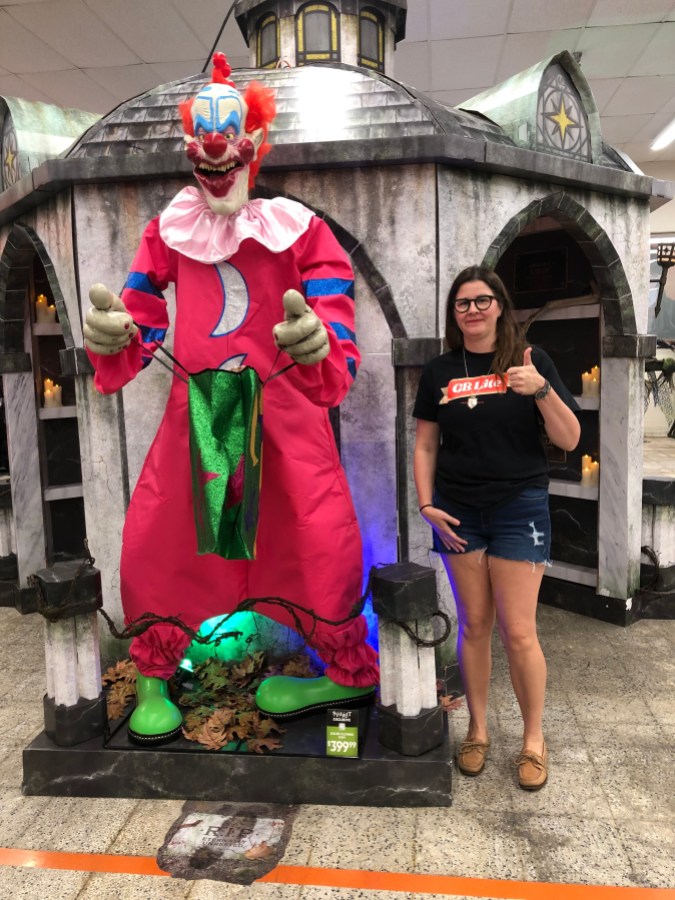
520 51
417 20
641 151
456 98
609 52
125 82
22 51
15 86
654 127
153 29
603 90
63 24
174 71
533 15
412 64
73 88
658 57
629 12
204 18
641 95
461 20
618 129
464 63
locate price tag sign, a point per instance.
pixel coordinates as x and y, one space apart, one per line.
342 732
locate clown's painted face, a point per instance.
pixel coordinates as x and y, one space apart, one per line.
221 151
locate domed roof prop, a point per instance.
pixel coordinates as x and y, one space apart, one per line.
32 132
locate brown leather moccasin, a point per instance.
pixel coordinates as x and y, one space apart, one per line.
471 757
532 769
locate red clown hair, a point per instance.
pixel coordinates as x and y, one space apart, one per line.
261 109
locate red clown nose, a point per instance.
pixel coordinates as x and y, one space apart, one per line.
215 145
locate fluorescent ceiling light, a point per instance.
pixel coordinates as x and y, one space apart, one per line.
667 136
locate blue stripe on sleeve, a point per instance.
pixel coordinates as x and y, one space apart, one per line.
351 365
344 333
321 287
139 281
148 335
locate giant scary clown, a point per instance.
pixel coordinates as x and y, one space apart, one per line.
252 277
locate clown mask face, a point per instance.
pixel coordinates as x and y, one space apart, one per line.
221 150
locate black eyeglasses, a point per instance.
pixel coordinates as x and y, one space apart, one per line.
481 303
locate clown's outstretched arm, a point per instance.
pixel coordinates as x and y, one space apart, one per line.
318 327
120 334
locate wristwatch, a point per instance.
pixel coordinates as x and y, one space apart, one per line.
543 391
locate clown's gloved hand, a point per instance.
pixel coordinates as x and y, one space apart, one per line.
108 328
302 335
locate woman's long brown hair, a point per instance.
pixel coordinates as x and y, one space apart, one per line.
511 343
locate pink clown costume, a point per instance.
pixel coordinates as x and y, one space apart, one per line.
230 274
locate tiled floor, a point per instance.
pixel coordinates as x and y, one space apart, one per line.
607 816
659 457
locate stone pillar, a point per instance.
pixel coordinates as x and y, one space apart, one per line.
24 467
621 443
410 720
74 705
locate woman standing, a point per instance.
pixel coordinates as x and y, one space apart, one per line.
482 484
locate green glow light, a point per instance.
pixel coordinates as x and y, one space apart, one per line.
256 633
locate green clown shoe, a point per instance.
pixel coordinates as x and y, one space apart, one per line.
283 697
156 720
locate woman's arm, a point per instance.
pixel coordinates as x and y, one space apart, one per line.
427 441
561 424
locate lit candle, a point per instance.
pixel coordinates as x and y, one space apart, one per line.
41 315
594 388
57 396
586 461
49 385
50 315
595 473
586 477
585 384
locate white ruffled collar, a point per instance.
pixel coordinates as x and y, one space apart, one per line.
190 226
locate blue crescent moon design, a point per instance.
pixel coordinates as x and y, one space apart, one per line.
235 299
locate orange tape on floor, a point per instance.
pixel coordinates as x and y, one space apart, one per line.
354 879
357 879
81 862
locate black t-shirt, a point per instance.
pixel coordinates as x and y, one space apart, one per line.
491 452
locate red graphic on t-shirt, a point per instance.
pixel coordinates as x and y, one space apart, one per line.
461 388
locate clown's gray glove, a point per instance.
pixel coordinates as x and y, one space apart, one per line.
108 328
302 334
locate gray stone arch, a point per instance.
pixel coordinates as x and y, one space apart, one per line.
360 260
616 298
22 245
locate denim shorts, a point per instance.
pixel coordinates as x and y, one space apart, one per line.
519 529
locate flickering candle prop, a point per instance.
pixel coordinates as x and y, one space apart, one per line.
590 471
590 383
44 313
52 394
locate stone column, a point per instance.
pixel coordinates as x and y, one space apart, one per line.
621 448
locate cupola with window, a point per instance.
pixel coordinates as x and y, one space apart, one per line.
289 33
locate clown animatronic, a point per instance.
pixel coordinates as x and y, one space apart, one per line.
252 277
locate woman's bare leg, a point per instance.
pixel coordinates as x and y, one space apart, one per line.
470 579
515 588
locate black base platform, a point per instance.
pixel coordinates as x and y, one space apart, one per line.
298 773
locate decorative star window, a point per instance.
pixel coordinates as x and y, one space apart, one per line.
562 125
11 169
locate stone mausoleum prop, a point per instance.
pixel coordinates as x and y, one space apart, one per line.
413 190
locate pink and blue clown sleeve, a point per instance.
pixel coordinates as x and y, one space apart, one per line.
151 271
328 286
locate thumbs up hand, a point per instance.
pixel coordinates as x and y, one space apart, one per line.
525 379
108 328
302 334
